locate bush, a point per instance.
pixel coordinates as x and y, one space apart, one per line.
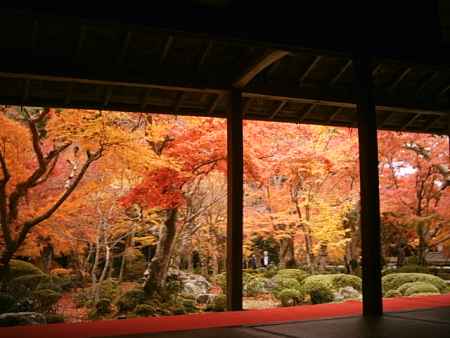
393 294
395 280
420 287
291 297
130 299
45 299
219 303
103 306
408 269
61 272
55 318
342 280
321 294
7 303
282 283
255 286
19 268
109 289
425 294
144 310
297 274
270 272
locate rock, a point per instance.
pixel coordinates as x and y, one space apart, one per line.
192 284
205 298
22 318
347 292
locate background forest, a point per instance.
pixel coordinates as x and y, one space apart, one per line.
112 214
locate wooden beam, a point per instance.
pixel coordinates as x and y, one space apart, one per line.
125 44
376 69
34 34
278 109
430 124
332 116
258 66
80 43
410 121
309 69
304 114
108 95
399 79
68 93
369 188
205 53
145 96
235 163
340 73
444 89
26 90
214 103
166 48
178 102
427 81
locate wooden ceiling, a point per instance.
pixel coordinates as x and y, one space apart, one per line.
51 61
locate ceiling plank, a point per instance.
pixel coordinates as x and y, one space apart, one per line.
399 79
166 48
304 114
123 51
340 73
382 121
410 121
430 124
205 54
427 81
309 69
332 116
277 109
212 107
258 66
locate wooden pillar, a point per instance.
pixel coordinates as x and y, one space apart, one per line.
235 159
370 195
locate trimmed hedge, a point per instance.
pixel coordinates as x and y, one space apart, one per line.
393 294
395 280
255 286
334 281
291 297
282 283
130 299
421 288
297 274
321 294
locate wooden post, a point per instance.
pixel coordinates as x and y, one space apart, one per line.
370 195
235 159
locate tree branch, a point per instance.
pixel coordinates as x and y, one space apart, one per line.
3 209
91 157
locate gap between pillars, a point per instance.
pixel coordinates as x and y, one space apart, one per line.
369 185
235 179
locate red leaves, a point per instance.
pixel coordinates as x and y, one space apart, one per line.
161 188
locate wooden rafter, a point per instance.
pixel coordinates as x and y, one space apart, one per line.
166 48
376 69
258 66
410 121
80 43
34 34
277 109
214 103
310 69
304 114
444 89
68 93
205 53
340 73
430 124
145 96
178 101
399 79
125 44
108 95
382 121
427 81
336 112
26 91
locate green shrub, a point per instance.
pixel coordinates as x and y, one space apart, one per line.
219 303
19 268
103 306
408 269
297 274
420 287
109 289
424 294
402 289
45 299
189 305
255 286
342 280
393 294
221 280
282 283
144 310
55 318
395 280
7 303
291 297
270 272
321 294
130 299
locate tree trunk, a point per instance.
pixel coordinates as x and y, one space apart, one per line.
159 264
287 258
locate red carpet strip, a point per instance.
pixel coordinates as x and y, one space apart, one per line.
214 319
